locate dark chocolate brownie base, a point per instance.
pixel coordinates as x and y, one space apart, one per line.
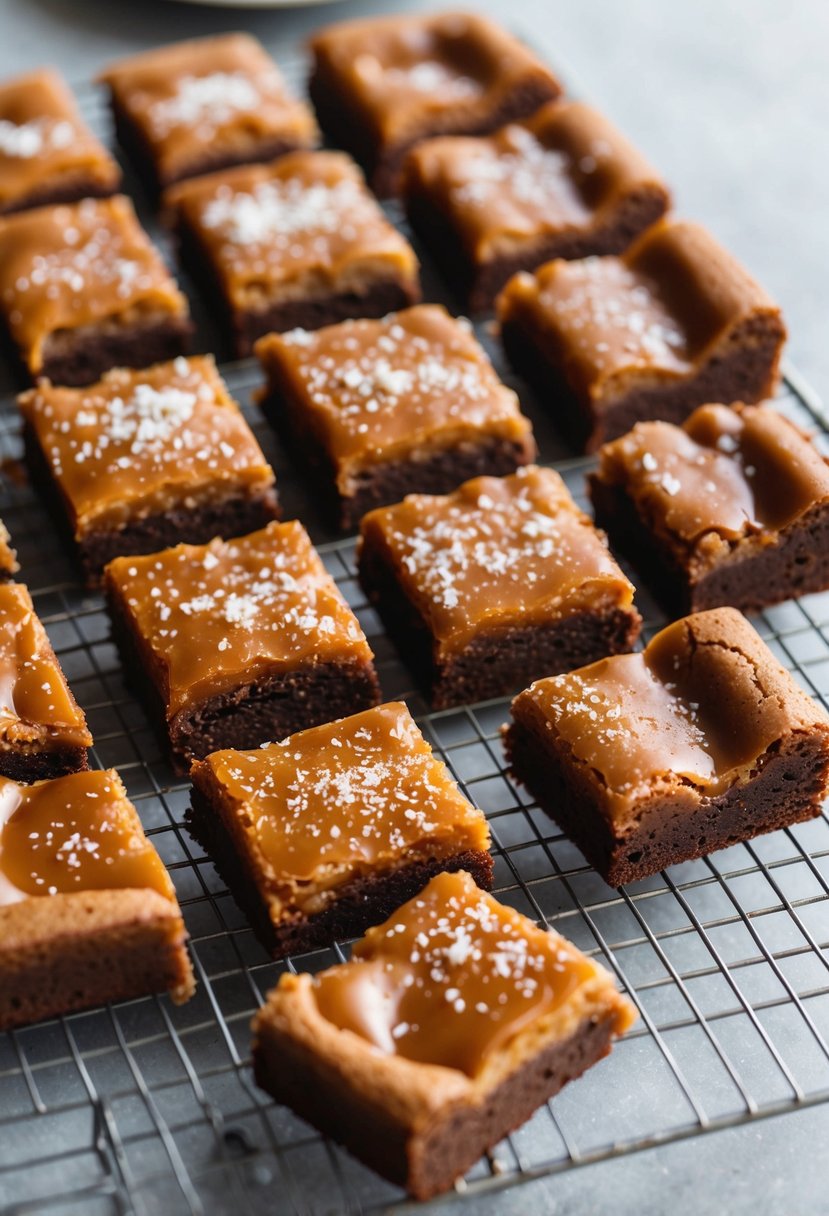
367 900
786 788
798 564
76 359
479 283
51 195
429 1161
27 767
747 372
497 662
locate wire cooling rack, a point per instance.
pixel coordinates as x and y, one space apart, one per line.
151 1109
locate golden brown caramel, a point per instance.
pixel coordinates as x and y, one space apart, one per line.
76 833
496 552
8 557
139 442
36 704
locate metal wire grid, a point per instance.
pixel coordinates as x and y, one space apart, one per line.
147 1108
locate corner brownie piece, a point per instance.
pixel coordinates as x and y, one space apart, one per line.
299 242
730 508
145 459
47 153
674 323
239 642
648 760
88 913
329 831
205 104
564 183
494 585
382 84
406 404
82 289
8 558
43 730
452 1023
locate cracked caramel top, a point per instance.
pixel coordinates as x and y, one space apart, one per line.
559 170
36 704
83 264
375 390
140 442
208 98
497 551
305 223
8 557
45 145
699 706
207 617
735 472
328 803
76 833
453 977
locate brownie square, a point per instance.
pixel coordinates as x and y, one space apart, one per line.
202 105
494 585
652 759
145 459
47 153
43 730
88 913
8 558
299 242
674 323
382 84
452 1023
730 508
406 404
240 642
82 289
329 831
564 183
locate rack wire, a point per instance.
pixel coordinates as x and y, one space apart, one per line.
146 1108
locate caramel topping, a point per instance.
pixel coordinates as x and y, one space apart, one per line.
373 389
76 833
305 219
211 615
451 978
497 551
139 442
72 266
8 557
36 704
329 801
207 97
44 143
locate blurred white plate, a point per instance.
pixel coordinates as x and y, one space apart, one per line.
257 3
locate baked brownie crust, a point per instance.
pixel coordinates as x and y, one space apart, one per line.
82 356
28 766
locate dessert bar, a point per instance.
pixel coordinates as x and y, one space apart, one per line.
452 1023
145 459
329 831
380 409
382 84
730 508
674 323
648 760
88 913
494 585
47 153
564 183
239 642
299 242
43 730
205 104
8 558
82 289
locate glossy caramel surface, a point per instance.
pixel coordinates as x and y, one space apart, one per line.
497 552
84 264
141 442
76 833
8 557
208 617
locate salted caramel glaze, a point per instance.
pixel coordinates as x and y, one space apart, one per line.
452 978
8 557
76 833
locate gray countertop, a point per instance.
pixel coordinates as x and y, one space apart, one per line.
729 98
